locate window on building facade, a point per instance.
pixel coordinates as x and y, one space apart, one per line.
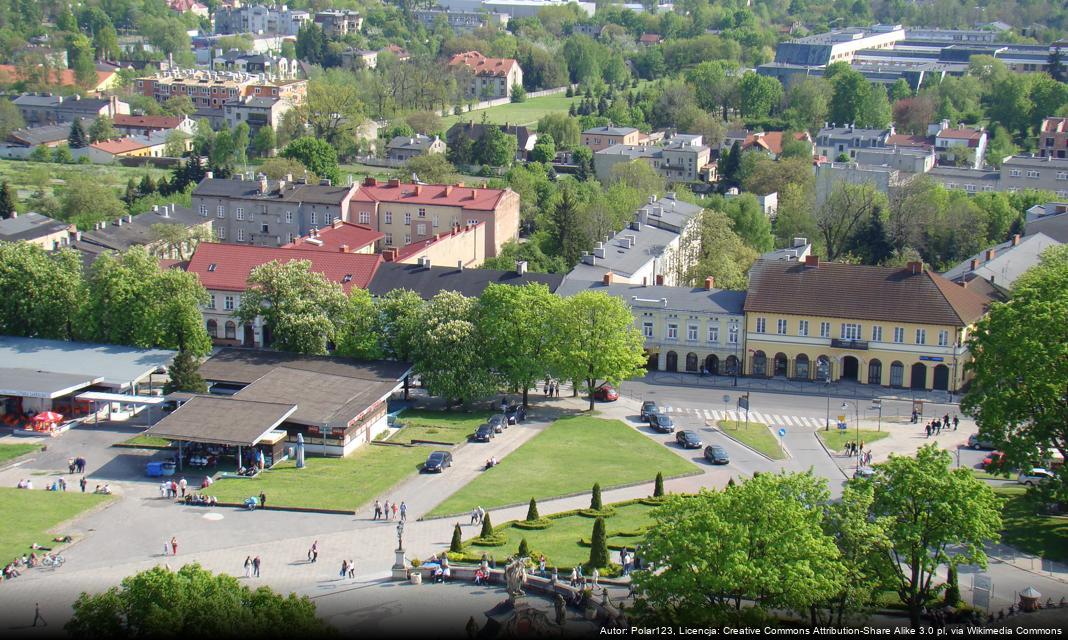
407 218
434 221
407 238
1015 173
899 335
220 211
732 335
943 338
240 235
365 217
204 210
289 217
691 333
781 326
921 336
388 239
422 212
314 218
647 329
388 217
221 233
472 223
802 328
825 329
1031 173
239 213
211 301
673 332
876 334
713 334
228 303
761 325
850 331
1062 175
420 229
328 219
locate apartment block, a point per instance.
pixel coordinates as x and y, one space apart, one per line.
489 78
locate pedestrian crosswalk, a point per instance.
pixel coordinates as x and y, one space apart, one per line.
777 420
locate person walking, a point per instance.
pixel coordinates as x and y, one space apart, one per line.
166 547
256 566
37 617
956 422
596 575
574 576
385 510
395 509
378 510
474 516
928 429
70 466
481 514
344 569
174 545
82 483
263 500
181 485
352 569
403 511
248 566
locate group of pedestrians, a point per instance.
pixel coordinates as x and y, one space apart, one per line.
477 515
76 465
551 388
386 511
938 425
629 560
252 567
348 569
854 448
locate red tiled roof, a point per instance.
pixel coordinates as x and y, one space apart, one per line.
121 145
61 77
409 250
971 135
861 292
770 140
906 140
431 194
1054 125
147 122
650 38
234 262
482 65
341 234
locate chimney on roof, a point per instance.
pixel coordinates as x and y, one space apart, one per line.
118 221
426 263
129 217
459 185
1015 239
991 253
812 261
459 265
389 255
343 248
710 283
915 267
370 182
448 190
521 267
607 279
660 280
975 264
393 182
77 236
326 182
418 189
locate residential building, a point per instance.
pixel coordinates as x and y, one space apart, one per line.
1034 172
904 159
105 80
207 89
487 78
428 280
1052 220
799 249
834 140
269 212
260 20
461 21
892 326
39 109
292 90
829 174
463 246
109 151
400 53
681 159
144 125
140 231
269 66
768 142
408 213
1053 137
948 139
404 148
224 269
37 229
970 180
515 8
192 6
599 138
525 137
649 39
685 329
359 58
341 236
994 270
256 112
22 141
338 23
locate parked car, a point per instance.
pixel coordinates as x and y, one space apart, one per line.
688 440
1034 476
606 393
649 408
994 461
864 472
484 433
716 454
977 443
515 413
499 422
661 423
437 462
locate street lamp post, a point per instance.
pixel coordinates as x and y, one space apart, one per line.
399 572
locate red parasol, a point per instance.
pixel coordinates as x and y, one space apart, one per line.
48 416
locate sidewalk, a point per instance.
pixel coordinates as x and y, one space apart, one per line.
904 439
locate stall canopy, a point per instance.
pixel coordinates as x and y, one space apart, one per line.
222 420
100 396
30 383
111 365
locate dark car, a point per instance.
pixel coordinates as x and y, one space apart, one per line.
515 414
606 393
716 454
438 462
688 440
499 422
484 433
661 423
649 408
977 442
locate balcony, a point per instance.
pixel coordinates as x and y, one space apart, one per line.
860 345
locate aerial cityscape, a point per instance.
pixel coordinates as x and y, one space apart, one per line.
533 318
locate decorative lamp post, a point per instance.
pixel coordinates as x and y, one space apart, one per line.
399 572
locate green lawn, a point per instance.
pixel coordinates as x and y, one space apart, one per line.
30 516
361 171
28 176
560 542
568 457
1040 535
756 436
12 451
329 483
147 441
836 439
453 427
528 112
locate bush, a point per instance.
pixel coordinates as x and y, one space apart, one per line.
533 525
595 500
952 588
519 94
457 544
524 549
487 527
658 486
598 545
532 511
604 512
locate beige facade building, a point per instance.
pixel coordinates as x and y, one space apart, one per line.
599 138
463 247
37 229
407 213
489 78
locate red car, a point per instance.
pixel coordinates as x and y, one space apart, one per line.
606 393
994 461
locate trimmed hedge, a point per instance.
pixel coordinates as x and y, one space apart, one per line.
492 541
603 512
528 525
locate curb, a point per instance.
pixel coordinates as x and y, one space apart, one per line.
786 452
152 447
14 462
238 505
830 455
627 485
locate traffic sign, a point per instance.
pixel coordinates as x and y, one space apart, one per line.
726 399
782 432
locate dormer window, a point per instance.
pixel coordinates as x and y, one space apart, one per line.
211 267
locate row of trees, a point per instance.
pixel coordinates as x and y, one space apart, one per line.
462 348
778 541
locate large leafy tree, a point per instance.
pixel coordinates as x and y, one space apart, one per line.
7 200
397 323
495 147
935 517
302 308
759 95
77 138
102 129
199 604
43 292
1020 349
448 351
516 329
761 541
316 154
357 334
597 340
845 213
184 375
721 253
333 111
563 128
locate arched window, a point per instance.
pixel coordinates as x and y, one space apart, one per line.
231 330
691 361
801 368
760 364
213 328
875 372
897 374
